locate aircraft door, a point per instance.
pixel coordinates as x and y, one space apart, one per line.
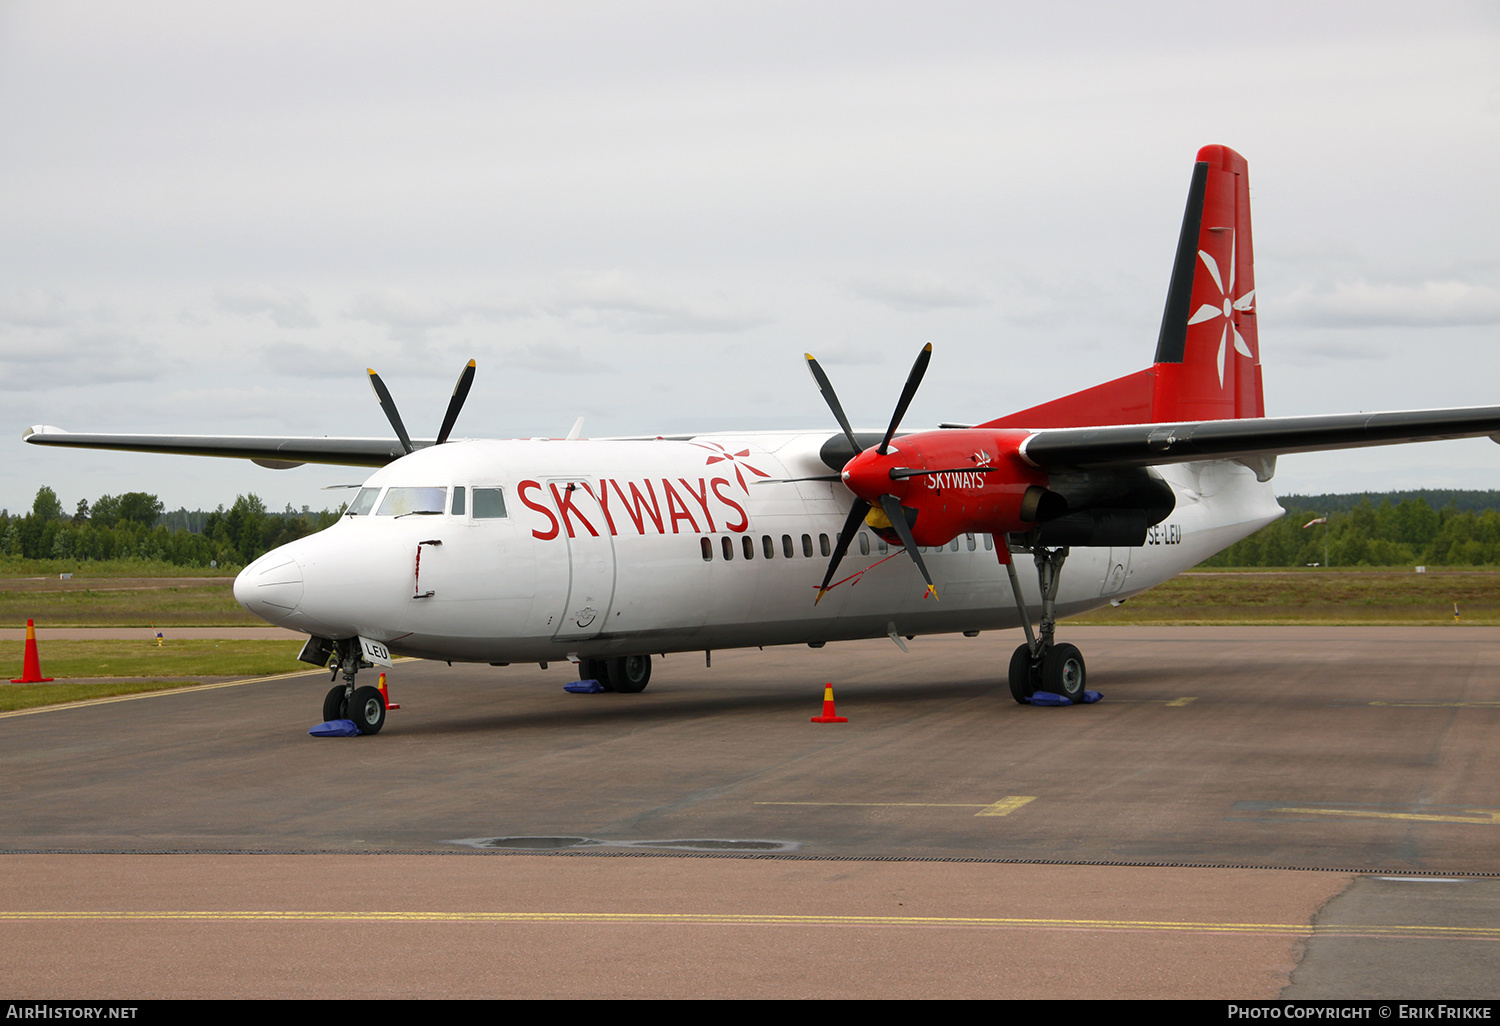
1116 570
591 558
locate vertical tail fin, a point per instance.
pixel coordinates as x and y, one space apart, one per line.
1207 363
1207 354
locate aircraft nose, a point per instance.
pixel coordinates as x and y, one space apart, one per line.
270 587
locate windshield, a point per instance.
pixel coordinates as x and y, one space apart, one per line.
363 502
401 501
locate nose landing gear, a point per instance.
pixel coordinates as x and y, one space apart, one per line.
364 705
1041 664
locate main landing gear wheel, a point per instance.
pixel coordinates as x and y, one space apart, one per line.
630 674
1063 672
333 704
1022 682
367 710
595 669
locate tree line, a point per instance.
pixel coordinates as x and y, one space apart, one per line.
135 526
1408 532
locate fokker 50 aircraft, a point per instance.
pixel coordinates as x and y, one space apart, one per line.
607 551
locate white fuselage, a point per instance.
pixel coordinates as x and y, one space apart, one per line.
611 548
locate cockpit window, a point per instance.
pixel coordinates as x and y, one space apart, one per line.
489 503
458 501
363 502
401 501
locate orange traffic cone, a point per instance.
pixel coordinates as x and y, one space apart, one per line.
385 694
828 713
31 664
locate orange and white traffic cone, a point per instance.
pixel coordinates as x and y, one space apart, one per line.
31 663
385 693
828 714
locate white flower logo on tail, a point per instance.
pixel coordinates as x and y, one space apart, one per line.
1229 302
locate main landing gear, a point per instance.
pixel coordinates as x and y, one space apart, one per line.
627 674
364 705
1041 664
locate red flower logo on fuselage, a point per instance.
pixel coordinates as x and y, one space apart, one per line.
733 459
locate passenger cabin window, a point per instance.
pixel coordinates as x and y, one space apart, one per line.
458 501
489 503
806 545
363 502
786 546
768 545
864 544
749 545
400 502
728 547
708 549
823 545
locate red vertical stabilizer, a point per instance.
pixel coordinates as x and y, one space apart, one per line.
1207 363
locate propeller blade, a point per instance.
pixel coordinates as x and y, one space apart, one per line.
389 406
897 516
460 393
826 387
913 379
851 528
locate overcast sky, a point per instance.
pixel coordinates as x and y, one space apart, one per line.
214 216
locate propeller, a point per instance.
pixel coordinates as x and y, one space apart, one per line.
889 506
460 393
455 404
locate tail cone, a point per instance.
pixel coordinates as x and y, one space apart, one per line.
31 664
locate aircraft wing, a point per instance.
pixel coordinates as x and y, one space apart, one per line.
268 450
1140 445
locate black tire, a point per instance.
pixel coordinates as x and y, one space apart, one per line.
333 704
367 710
1021 682
595 669
630 674
1063 673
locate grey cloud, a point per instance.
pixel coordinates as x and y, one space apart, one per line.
552 358
38 360
1362 304
34 308
409 316
613 301
917 293
287 307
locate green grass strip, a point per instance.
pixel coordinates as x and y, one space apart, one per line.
173 658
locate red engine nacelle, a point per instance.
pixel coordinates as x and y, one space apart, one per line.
957 482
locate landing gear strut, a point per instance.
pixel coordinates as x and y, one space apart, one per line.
364 705
1041 664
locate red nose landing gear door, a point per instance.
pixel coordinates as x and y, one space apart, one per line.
591 558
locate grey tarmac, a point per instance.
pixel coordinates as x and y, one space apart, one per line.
1218 826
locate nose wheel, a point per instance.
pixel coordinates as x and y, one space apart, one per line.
1041 664
346 701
